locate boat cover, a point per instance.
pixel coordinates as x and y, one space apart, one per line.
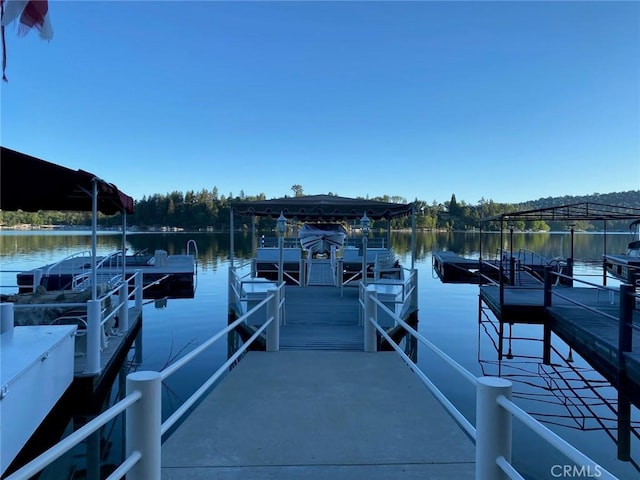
320 237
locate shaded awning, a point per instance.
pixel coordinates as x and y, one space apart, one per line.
323 207
571 212
30 184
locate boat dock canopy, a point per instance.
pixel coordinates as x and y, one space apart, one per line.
575 211
323 207
31 184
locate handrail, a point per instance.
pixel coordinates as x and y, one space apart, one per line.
68 257
52 454
136 455
550 437
372 304
188 403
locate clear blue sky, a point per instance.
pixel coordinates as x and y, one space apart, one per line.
509 101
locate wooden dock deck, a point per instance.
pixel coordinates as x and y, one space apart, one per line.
319 318
319 415
591 335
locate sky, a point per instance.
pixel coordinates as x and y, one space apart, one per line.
502 101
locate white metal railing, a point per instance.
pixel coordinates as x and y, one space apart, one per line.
407 299
143 421
82 280
494 409
95 315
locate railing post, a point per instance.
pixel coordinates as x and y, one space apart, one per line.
37 278
123 312
143 424
493 428
547 286
413 302
626 323
340 275
93 336
273 329
512 271
624 345
370 314
138 289
302 271
6 318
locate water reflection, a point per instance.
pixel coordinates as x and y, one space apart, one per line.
566 392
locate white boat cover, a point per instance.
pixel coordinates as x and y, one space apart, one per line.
320 237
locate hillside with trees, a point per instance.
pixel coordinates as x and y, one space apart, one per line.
209 210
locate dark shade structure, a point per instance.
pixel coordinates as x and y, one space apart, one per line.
570 212
30 184
323 207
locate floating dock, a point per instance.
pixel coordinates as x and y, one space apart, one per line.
321 407
169 276
592 335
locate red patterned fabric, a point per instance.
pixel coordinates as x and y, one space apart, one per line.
31 14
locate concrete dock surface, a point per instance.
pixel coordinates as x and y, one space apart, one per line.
319 415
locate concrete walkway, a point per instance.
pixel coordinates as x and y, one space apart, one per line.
319 415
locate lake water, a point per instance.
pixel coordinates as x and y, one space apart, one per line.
569 397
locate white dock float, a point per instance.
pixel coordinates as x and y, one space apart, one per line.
319 415
36 369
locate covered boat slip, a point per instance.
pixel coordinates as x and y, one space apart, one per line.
320 252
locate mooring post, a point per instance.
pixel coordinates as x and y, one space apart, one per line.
93 336
273 313
143 424
493 428
123 311
370 314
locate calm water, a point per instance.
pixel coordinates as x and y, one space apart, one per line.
569 397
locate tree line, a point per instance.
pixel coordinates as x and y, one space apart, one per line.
209 210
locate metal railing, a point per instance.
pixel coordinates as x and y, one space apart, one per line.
94 314
143 403
492 433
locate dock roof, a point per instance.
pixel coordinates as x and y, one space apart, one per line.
572 212
323 207
30 184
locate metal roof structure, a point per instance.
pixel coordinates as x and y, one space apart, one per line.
322 207
571 212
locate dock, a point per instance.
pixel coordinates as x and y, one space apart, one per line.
321 407
591 335
89 389
319 414
453 268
